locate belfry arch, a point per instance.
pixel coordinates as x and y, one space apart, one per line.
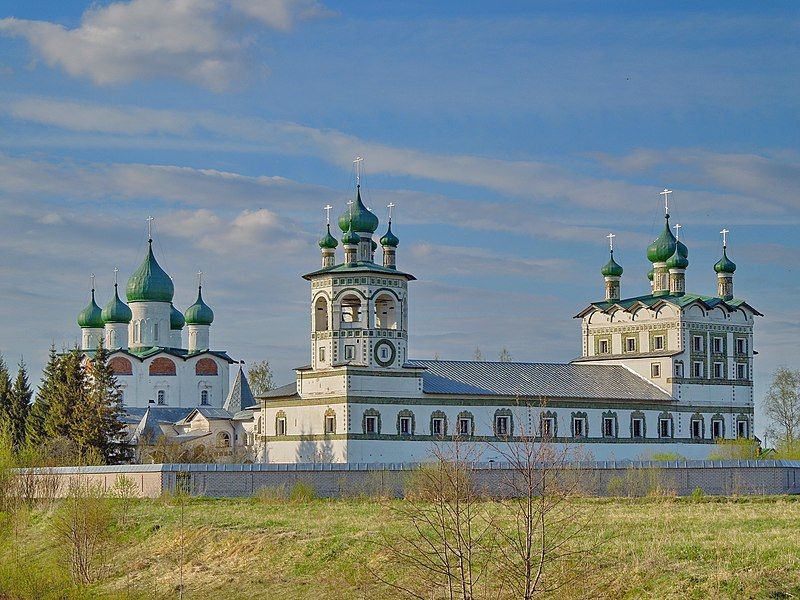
321 314
351 308
387 311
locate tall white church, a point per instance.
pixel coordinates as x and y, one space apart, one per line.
665 372
156 364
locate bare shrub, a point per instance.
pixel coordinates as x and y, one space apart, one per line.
542 544
448 549
82 527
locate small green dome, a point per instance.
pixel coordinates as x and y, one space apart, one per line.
176 320
351 237
663 247
328 241
611 268
390 239
725 264
677 260
199 313
150 283
116 311
362 219
91 316
650 274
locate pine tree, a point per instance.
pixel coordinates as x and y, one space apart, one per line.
5 390
35 432
104 426
68 396
19 400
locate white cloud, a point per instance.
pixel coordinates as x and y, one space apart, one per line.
709 179
200 41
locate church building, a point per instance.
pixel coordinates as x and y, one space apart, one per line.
173 384
666 372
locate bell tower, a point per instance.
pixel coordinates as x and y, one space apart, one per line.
359 308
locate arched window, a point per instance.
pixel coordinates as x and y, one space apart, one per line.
438 423
223 440
205 366
351 309
161 396
386 312
155 332
121 366
204 397
112 339
321 314
162 366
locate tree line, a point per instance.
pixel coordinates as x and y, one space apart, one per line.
75 416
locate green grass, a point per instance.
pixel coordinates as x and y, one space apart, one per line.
319 549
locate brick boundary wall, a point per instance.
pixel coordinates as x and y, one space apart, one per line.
731 477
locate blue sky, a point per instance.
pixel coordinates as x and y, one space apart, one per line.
512 137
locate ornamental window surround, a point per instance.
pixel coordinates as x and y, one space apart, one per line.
603 347
638 425
280 423
717 345
665 426
717 428
439 424
630 344
658 342
696 427
697 343
741 371
719 370
466 424
579 429
503 423
405 422
742 427
609 425
655 369
679 369
697 369
349 352
741 345
330 424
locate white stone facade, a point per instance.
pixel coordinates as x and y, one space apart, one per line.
667 373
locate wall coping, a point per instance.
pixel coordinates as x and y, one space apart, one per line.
302 467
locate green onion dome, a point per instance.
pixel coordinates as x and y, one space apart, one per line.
611 268
725 264
390 239
176 320
150 283
677 260
351 237
360 216
663 247
116 311
91 316
650 274
199 313
328 241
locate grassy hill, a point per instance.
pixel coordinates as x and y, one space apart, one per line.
320 549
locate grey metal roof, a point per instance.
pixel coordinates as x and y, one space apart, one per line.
244 415
545 380
628 356
161 414
290 389
209 412
240 396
